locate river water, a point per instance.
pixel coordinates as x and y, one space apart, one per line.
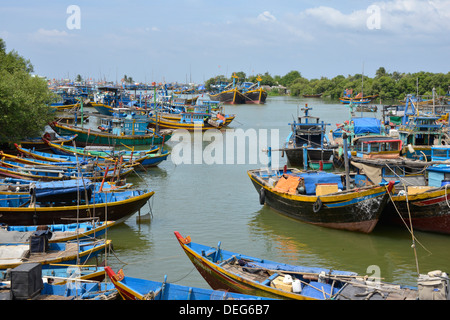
217 202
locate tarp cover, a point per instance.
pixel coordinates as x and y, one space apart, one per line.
366 125
313 178
288 185
60 187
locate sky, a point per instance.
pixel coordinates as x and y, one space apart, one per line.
195 40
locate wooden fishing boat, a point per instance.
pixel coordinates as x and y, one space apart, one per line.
366 108
39 143
354 101
425 208
33 161
78 290
253 92
255 96
308 140
321 198
63 282
209 110
115 205
237 272
58 232
312 95
189 121
87 136
45 156
358 99
60 273
142 289
43 173
147 158
13 255
230 94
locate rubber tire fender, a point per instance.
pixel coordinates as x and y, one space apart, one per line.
317 205
262 196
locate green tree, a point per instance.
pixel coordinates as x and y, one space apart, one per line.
289 78
24 99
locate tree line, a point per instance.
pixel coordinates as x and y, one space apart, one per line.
389 86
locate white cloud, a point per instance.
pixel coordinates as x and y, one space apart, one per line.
266 16
396 16
50 36
335 18
416 16
51 33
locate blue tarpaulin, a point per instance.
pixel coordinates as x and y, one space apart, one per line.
313 178
44 189
366 125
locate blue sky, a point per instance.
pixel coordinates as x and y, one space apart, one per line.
195 40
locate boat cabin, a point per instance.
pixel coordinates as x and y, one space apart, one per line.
193 117
381 147
421 133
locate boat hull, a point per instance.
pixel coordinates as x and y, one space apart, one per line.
92 137
352 211
428 211
164 123
232 96
256 96
227 270
142 289
115 211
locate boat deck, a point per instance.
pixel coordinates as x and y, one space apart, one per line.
258 275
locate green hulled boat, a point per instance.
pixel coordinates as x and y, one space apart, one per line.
88 136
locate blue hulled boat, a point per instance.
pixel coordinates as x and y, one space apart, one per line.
142 289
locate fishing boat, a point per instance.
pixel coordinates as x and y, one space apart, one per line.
142 289
78 290
29 281
420 198
62 273
379 159
358 99
420 132
237 272
353 128
189 121
38 143
321 198
366 108
209 109
26 155
377 147
87 136
308 142
253 92
57 232
43 173
34 161
318 95
147 158
74 252
230 94
113 204
107 99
